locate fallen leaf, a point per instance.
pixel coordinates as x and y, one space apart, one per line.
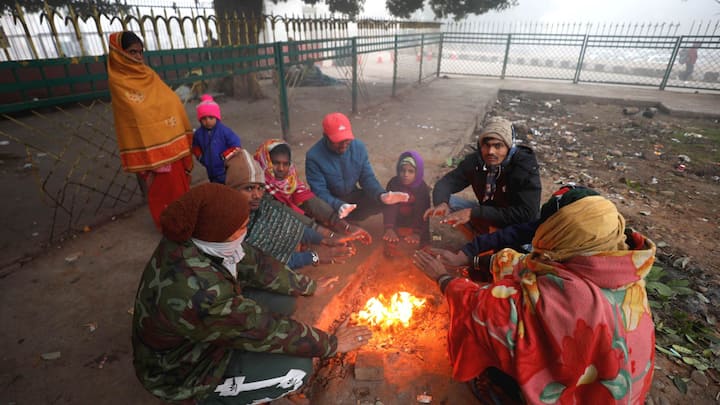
680 384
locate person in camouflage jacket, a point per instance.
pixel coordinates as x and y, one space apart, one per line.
198 334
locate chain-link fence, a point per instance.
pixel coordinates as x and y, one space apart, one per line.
691 62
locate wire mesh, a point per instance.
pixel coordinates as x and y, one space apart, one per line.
62 174
473 53
700 71
546 56
627 60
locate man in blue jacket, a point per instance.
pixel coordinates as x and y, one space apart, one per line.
338 171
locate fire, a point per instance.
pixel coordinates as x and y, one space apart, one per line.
379 313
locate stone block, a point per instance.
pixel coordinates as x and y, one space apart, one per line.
369 366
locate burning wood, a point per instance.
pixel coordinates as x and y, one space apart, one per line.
384 315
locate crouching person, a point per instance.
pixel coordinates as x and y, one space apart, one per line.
212 321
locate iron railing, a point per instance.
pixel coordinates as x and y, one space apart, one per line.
614 59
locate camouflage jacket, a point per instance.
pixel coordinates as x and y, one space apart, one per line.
190 314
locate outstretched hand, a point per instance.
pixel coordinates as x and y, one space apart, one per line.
430 265
394 197
439 210
457 218
354 232
351 337
345 210
449 258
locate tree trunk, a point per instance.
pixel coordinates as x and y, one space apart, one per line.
240 23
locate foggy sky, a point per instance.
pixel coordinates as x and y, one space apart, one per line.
594 10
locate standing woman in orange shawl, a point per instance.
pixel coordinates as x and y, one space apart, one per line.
153 131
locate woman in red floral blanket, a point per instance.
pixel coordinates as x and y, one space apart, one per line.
568 323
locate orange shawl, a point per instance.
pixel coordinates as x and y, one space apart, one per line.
151 124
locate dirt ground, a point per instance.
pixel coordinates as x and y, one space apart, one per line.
76 311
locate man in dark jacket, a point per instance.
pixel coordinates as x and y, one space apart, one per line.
337 164
504 177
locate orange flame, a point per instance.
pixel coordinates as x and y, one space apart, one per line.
399 310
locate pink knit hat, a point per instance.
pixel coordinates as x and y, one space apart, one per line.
208 108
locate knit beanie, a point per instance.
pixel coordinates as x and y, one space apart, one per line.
498 128
210 212
242 169
208 108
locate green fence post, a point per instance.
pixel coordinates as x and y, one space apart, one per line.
669 67
422 52
507 53
354 74
284 110
440 49
395 64
581 59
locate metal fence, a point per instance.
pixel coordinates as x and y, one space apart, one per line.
644 60
56 33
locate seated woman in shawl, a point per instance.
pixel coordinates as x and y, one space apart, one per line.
212 318
567 323
283 183
153 131
275 228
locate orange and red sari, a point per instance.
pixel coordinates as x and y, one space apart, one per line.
153 131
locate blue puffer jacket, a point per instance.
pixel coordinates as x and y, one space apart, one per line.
332 176
208 146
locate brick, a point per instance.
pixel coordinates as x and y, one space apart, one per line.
369 367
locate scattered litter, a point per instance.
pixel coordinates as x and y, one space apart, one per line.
645 213
102 362
4 143
424 398
630 111
73 257
654 180
41 154
91 326
680 167
35 233
86 228
131 311
692 135
27 166
675 140
681 263
684 158
50 356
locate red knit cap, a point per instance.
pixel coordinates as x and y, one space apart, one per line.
208 108
210 212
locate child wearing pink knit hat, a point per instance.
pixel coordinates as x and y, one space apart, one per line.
213 140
